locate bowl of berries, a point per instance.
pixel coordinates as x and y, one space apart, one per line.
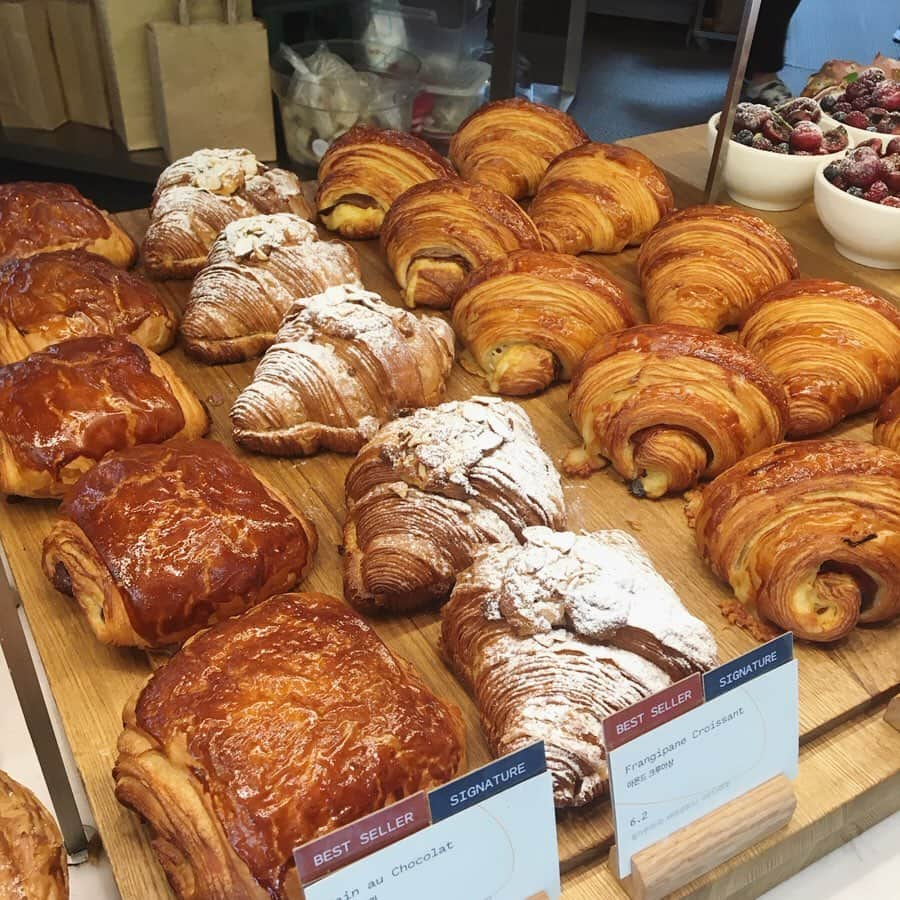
858 201
867 104
773 154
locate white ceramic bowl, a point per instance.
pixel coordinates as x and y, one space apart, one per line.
762 179
866 232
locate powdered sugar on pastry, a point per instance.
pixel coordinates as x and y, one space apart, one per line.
256 236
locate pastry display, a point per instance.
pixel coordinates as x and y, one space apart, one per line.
887 422
808 536
38 216
794 128
552 636
50 297
197 196
508 144
438 232
343 363
527 319
835 348
364 171
268 730
599 198
33 862
669 405
159 541
705 266
257 267
63 408
430 489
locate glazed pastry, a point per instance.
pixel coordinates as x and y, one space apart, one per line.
599 198
268 730
39 216
553 636
669 405
161 540
197 196
51 297
808 536
63 408
428 490
32 856
508 144
365 170
706 265
343 364
257 267
887 422
527 319
835 348
438 232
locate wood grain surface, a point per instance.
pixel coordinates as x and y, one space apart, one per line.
840 685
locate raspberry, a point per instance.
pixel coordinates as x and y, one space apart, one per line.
835 140
871 76
862 168
744 137
750 116
877 192
761 142
891 201
806 137
862 102
856 119
799 109
889 172
842 106
887 94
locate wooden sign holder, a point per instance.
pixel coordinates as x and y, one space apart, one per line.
688 853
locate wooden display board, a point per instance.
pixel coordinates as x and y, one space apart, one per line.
850 764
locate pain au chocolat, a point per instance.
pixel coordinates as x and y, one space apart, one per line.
268 730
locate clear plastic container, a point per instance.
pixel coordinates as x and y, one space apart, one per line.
449 96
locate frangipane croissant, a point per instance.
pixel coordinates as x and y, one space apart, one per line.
51 297
428 490
599 198
669 405
197 196
527 319
553 636
705 266
268 730
439 231
257 268
343 363
887 422
37 216
364 171
835 348
508 144
808 536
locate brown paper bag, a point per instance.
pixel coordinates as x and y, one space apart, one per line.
77 48
211 85
30 92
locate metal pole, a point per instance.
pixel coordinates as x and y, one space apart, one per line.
574 43
732 95
506 55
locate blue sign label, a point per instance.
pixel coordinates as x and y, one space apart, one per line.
751 665
487 781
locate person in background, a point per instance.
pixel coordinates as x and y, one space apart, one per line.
762 84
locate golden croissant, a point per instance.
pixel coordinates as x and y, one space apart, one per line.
438 232
669 405
599 198
835 348
705 266
508 144
257 268
887 422
808 536
527 319
364 171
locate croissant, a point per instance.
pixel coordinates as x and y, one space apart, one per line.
808 536
508 144
364 171
37 216
553 636
428 490
599 198
343 364
439 231
51 297
197 196
527 319
705 266
668 405
257 267
887 422
835 348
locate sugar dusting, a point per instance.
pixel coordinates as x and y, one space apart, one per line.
255 237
